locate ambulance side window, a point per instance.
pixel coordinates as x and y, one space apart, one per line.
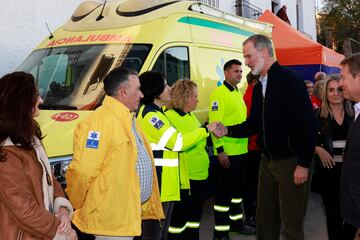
174 64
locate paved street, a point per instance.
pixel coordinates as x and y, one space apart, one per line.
315 224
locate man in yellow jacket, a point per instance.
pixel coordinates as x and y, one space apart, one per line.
111 181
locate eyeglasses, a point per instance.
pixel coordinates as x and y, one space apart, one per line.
338 90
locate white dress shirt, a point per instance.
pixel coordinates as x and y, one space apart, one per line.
357 110
263 80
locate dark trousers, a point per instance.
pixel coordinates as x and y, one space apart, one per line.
157 230
329 185
81 235
280 201
349 232
251 185
185 219
229 194
196 204
179 216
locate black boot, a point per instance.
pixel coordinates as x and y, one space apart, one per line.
222 238
243 229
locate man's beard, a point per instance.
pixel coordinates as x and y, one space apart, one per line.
258 68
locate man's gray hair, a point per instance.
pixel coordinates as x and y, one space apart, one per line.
260 42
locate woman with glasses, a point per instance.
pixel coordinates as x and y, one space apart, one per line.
334 118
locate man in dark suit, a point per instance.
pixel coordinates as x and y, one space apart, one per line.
350 179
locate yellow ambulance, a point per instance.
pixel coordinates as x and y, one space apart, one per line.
181 39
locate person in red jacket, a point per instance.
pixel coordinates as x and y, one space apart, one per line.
316 103
254 156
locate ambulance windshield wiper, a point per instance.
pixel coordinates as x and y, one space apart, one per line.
56 107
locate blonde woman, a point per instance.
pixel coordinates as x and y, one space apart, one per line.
185 221
334 118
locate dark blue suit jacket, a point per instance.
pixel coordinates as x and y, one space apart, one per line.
350 178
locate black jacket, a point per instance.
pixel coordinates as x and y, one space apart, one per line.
350 177
284 119
324 136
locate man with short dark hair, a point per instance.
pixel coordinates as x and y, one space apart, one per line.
282 115
227 106
350 179
111 180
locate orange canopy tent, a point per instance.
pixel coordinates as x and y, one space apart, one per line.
295 50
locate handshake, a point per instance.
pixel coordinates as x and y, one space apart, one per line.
218 129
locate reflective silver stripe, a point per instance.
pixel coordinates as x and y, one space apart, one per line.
166 162
222 228
338 158
166 136
176 230
339 144
155 147
236 217
193 224
221 208
178 143
236 200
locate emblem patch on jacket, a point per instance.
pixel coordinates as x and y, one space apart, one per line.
156 122
93 140
215 106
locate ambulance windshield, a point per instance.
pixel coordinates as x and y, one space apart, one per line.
68 77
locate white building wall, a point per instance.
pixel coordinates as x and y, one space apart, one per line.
309 17
23 27
227 6
263 4
304 21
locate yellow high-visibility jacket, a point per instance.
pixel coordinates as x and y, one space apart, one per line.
166 143
102 181
227 106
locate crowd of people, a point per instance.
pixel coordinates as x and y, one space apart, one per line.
140 167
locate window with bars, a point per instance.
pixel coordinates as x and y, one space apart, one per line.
214 3
246 9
